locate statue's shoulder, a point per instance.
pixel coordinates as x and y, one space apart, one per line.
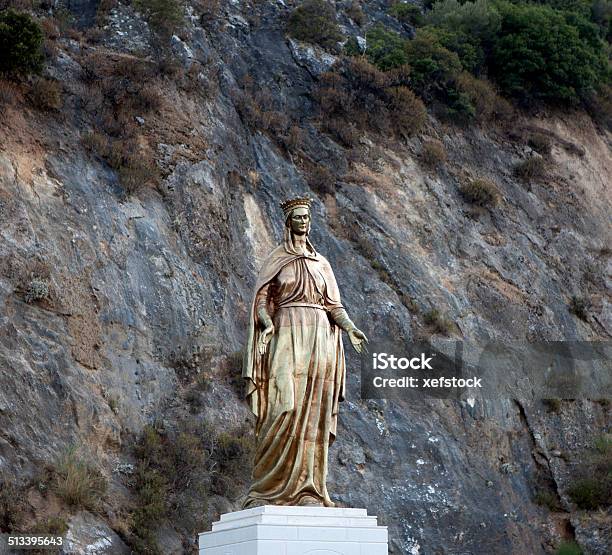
277 257
275 254
323 260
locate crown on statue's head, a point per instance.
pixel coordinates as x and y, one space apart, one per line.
298 202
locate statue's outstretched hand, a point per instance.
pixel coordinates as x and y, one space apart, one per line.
358 340
264 338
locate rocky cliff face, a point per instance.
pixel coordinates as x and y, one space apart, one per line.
113 304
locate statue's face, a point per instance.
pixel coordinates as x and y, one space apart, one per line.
300 221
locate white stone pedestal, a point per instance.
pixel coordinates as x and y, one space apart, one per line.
283 530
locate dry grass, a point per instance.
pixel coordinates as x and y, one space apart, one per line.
433 154
482 192
13 509
541 143
77 482
360 96
136 168
344 132
260 112
488 105
8 95
321 180
531 169
408 112
46 94
438 322
50 28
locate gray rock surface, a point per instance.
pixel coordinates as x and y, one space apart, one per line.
92 536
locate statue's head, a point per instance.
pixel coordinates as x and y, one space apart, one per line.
297 215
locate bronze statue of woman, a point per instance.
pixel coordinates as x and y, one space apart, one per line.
294 362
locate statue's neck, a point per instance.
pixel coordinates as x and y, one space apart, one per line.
299 242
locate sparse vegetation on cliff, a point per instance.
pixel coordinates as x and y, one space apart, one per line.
77 481
315 21
165 16
482 192
357 93
591 488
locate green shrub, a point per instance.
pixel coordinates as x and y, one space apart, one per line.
583 7
468 29
351 47
233 456
407 13
603 444
315 21
151 509
482 192
592 485
21 40
151 489
385 48
454 105
480 19
65 20
590 493
467 47
203 382
547 498
601 15
165 16
77 482
433 67
569 548
175 474
543 55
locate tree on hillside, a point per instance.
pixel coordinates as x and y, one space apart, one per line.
21 41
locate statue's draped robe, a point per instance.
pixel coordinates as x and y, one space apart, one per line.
295 387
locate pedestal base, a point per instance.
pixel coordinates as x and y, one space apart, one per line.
283 530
